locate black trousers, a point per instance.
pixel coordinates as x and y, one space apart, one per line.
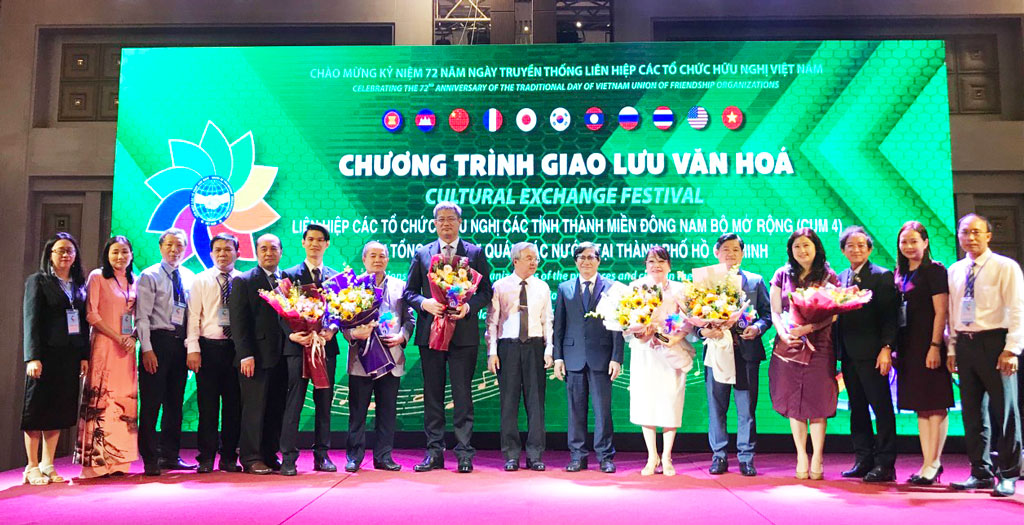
982 385
385 396
866 387
522 374
219 400
583 388
263 399
461 362
166 389
323 399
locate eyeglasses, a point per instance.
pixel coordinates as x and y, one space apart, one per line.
588 258
446 220
64 251
971 233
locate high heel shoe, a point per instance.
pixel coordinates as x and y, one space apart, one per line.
33 476
667 468
801 474
817 476
649 469
51 474
923 481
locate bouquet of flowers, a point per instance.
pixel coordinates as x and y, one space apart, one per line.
715 298
632 308
452 283
305 309
354 301
814 305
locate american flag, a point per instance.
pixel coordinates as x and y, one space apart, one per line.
697 117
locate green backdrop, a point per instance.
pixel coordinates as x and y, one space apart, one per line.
251 140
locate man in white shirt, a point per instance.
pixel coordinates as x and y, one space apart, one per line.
986 322
211 356
519 349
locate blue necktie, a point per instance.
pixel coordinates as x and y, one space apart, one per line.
586 296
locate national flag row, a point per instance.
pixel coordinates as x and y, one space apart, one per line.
663 118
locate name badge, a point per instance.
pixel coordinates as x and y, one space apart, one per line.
74 327
901 317
223 317
178 314
967 310
127 324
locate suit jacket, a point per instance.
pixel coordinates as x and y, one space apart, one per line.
46 321
417 290
404 322
584 341
299 276
256 329
757 294
862 333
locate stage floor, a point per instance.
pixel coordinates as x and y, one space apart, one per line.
490 495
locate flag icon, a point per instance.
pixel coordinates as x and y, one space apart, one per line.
560 119
392 120
492 120
697 117
663 117
594 119
526 119
426 120
732 117
458 120
629 118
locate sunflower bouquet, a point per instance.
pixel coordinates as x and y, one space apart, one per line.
452 283
352 301
714 298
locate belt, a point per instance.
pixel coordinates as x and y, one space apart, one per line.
516 340
982 333
221 342
170 333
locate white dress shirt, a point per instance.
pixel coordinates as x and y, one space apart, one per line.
503 315
155 300
998 297
454 244
204 306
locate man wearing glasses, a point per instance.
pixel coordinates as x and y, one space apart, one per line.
986 321
461 355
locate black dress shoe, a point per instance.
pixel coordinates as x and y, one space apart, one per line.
259 468
229 466
859 470
719 466
880 474
151 470
536 466
608 466
351 466
747 468
973 483
430 463
387 464
465 466
576 465
176 464
511 465
324 464
205 468
288 469
1005 488
274 464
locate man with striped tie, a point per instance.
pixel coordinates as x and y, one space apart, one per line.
211 356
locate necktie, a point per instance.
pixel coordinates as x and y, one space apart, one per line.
225 292
971 277
272 279
524 319
448 249
316 276
586 296
179 293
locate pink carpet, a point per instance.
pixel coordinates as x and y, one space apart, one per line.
490 495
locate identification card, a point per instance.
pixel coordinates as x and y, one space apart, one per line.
967 310
223 317
74 327
127 324
901 317
178 314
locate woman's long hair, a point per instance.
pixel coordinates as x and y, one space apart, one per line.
108 269
902 263
818 266
46 263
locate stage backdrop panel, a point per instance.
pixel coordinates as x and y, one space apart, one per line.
628 145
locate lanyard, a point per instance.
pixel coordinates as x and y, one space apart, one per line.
67 288
906 280
127 290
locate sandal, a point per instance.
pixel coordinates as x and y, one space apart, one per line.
51 473
667 468
33 476
649 469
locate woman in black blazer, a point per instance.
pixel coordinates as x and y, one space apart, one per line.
56 353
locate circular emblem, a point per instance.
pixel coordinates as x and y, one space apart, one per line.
560 119
392 120
212 200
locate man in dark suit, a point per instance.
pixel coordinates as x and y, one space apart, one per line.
260 336
315 242
748 352
462 353
864 340
588 357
